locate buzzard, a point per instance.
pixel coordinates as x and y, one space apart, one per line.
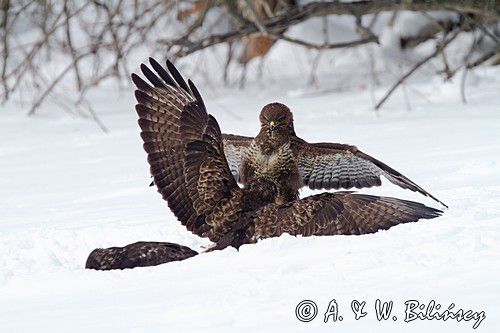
279 154
186 154
138 254
270 154
277 151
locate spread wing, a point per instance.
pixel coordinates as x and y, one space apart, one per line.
328 165
337 166
235 147
341 213
172 116
138 254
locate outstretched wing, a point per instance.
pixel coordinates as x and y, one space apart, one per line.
327 165
172 115
138 254
208 178
341 213
337 166
235 147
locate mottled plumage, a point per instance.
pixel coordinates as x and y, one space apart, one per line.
137 254
316 165
297 163
340 213
187 157
270 155
325 165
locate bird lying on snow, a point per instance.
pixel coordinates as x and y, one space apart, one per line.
187 155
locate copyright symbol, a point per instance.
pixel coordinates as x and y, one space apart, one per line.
306 311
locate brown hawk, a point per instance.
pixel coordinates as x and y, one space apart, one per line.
270 155
139 254
279 154
186 153
277 150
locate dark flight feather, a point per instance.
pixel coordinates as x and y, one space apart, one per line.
140 83
152 77
187 155
328 165
162 72
177 76
196 94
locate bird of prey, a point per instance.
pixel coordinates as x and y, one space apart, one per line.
269 155
291 162
277 151
138 254
280 155
186 154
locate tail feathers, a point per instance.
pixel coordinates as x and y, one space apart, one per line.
139 254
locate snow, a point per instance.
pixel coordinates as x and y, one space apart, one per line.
66 188
409 24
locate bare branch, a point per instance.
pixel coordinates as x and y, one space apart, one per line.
52 85
69 40
5 7
112 30
439 49
328 46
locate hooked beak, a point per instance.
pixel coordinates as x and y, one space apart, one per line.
272 125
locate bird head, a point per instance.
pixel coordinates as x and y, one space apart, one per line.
276 118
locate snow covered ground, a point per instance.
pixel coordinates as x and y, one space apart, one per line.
67 188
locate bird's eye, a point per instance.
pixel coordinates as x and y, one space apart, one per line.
280 119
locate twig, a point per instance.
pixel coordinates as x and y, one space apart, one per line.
466 61
462 85
95 118
439 48
300 13
482 28
5 41
255 17
328 46
229 57
71 47
407 99
313 80
27 61
483 59
53 84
